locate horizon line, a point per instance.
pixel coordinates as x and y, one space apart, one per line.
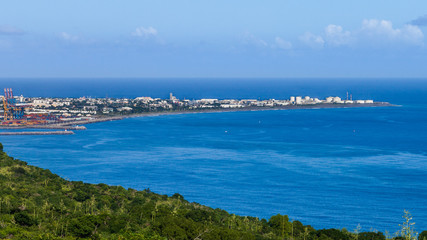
240 78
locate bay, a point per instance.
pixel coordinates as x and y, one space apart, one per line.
330 168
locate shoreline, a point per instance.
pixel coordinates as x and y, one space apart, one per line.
37 133
74 125
41 181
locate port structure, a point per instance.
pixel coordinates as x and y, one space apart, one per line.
14 114
11 110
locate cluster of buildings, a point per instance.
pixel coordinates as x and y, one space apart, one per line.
307 100
67 109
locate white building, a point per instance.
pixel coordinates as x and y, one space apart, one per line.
316 100
40 103
124 109
144 99
231 106
208 100
337 99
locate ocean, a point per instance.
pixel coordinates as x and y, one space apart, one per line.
329 168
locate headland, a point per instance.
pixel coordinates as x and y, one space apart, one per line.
71 113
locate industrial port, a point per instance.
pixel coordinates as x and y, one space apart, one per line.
18 113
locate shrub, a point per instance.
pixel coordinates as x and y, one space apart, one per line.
23 219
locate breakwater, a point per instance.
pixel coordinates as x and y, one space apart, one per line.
37 133
47 126
58 126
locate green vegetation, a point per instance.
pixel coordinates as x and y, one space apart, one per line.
37 204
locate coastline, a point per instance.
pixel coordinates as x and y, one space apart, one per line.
348 111
140 218
76 125
37 133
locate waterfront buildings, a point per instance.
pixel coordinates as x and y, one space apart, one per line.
64 109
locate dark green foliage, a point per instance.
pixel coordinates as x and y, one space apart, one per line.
177 196
37 204
81 196
23 219
84 226
117 224
200 215
371 236
334 234
19 171
281 225
423 235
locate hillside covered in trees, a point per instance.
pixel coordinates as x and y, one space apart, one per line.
37 204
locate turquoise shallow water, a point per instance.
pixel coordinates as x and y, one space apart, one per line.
324 167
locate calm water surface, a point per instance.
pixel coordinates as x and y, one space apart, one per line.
324 167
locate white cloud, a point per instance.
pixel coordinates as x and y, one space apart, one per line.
143 32
377 27
383 31
314 41
411 33
9 30
280 43
372 32
68 37
336 36
251 39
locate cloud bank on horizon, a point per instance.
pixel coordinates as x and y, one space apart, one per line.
205 40
373 32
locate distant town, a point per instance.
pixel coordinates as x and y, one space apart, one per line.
27 111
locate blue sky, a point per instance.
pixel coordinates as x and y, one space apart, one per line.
101 38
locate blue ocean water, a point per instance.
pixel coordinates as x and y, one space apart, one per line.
330 168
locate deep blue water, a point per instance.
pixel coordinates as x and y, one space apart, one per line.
325 167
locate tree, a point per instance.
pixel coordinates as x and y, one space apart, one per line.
371 236
23 219
281 224
333 234
83 226
407 230
423 235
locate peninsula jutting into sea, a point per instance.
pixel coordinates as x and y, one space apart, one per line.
68 113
